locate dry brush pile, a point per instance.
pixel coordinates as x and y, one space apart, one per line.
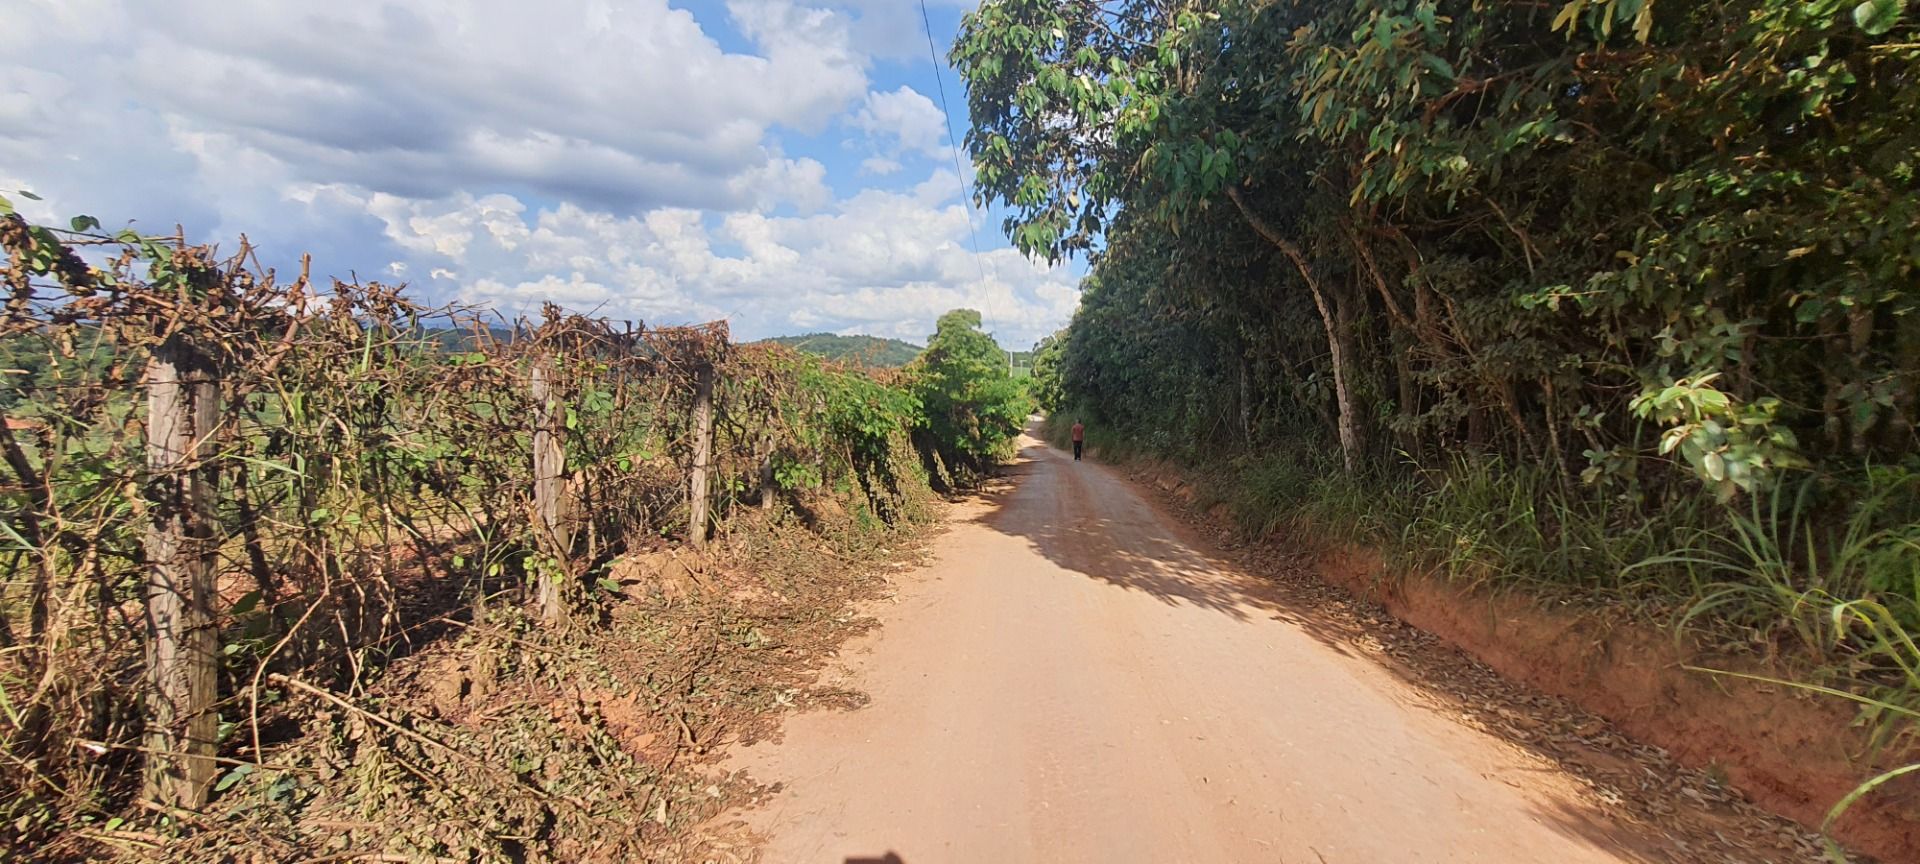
240 508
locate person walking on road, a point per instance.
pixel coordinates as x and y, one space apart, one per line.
1079 439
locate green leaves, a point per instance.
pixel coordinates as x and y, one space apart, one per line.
1876 17
233 777
1603 15
970 404
247 603
1731 447
1568 13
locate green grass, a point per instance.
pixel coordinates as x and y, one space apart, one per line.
1790 558
1771 568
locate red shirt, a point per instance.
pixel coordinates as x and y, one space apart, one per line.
1079 432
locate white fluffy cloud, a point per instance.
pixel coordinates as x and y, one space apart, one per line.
627 105
879 262
610 156
906 119
893 29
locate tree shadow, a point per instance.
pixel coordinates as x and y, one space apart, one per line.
1594 829
1113 535
1087 519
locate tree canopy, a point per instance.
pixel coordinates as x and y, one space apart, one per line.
972 407
1596 235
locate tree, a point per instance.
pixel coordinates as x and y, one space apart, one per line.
1081 110
1044 384
1508 223
972 408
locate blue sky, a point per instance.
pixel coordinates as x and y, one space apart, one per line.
780 163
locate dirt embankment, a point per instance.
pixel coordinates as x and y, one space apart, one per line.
1792 752
1789 751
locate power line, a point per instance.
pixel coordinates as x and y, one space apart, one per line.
953 147
953 142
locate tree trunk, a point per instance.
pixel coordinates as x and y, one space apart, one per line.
1906 393
1831 422
40 552
1476 428
702 455
1510 406
1557 454
1338 341
1859 344
182 642
1246 399
549 490
1409 396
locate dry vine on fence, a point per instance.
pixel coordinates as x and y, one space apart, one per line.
223 485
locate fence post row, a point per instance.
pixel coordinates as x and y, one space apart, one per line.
765 456
549 487
182 644
702 453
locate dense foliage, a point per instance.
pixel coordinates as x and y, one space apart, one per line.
1651 263
972 406
868 351
1615 298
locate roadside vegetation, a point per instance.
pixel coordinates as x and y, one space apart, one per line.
303 571
1608 300
972 407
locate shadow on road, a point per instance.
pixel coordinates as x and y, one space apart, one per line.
1091 523
1088 520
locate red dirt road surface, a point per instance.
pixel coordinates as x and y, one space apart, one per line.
1073 681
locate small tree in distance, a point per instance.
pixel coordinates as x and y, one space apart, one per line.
1044 383
972 407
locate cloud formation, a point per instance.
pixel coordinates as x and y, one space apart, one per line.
905 120
629 157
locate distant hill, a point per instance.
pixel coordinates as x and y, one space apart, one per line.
858 350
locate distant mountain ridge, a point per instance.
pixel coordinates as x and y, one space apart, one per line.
858 350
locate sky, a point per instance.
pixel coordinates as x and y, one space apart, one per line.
782 164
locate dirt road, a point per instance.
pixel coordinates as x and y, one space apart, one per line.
1071 681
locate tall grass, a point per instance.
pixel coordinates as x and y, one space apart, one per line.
1891 707
1771 566
1806 549
1473 519
1834 568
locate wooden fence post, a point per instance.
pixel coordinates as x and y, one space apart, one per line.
182 643
767 489
549 487
702 454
